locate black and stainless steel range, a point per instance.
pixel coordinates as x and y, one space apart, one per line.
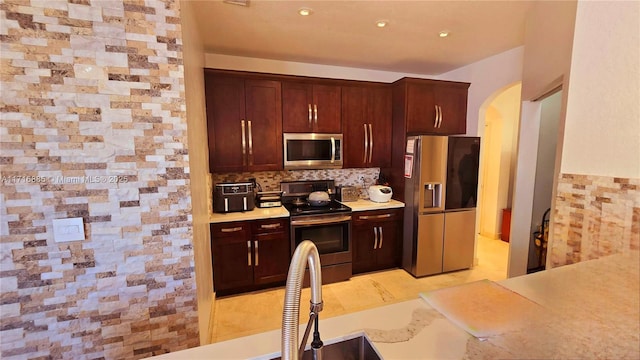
328 226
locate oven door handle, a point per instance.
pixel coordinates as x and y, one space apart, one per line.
322 221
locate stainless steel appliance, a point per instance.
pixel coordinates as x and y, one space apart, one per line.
312 151
328 226
232 197
267 199
441 180
347 193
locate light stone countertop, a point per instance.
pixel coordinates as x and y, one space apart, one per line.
255 214
364 205
590 310
279 212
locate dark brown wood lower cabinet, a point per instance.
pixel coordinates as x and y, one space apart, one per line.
376 239
249 255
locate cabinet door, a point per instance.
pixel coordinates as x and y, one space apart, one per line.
421 110
297 107
232 255
453 104
225 116
379 115
376 239
264 125
389 245
326 111
271 251
355 127
271 258
363 242
310 108
366 123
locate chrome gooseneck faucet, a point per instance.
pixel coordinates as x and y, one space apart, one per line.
305 253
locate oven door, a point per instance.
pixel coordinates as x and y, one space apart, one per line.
330 233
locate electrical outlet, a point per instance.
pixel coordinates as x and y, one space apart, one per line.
71 229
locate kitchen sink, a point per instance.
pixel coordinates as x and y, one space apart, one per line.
356 348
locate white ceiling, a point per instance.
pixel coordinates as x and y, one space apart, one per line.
343 33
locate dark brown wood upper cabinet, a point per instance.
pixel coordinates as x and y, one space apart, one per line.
432 106
244 121
366 123
310 107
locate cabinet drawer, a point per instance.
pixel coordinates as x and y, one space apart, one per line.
240 229
377 216
270 226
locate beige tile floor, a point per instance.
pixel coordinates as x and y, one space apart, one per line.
256 312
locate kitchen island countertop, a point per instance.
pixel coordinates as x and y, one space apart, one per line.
588 310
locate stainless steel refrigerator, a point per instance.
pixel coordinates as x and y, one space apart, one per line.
441 184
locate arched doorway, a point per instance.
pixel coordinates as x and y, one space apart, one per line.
498 127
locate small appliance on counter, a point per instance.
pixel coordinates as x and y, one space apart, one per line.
347 193
233 197
268 199
380 193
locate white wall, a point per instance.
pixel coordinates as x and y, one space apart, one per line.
487 77
198 167
240 63
524 188
602 129
546 64
545 166
497 171
548 40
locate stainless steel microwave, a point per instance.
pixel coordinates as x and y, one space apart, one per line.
312 151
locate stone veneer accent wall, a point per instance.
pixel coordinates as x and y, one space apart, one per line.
594 216
94 126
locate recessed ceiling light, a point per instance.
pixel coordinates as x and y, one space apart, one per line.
305 11
382 23
444 33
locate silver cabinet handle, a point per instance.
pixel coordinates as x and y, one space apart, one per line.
439 116
366 143
244 203
315 113
370 143
435 121
248 253
333 149
309 115
244 143
229 230
270 226
250 143
255 245
375 237
381 237
381 216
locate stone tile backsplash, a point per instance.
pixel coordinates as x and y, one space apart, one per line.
594 216
270 180
94 126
